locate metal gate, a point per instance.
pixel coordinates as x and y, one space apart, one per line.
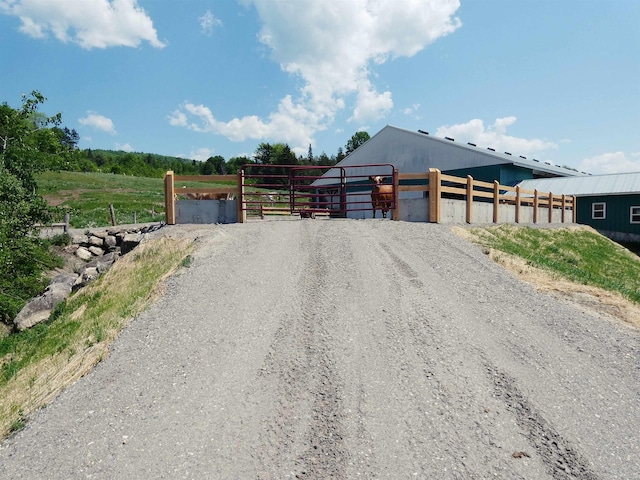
312 191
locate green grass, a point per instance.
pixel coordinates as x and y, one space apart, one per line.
41 360
87 196
579 255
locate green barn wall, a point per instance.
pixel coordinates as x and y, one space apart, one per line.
505 174
617 217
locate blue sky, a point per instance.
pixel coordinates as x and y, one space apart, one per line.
555 80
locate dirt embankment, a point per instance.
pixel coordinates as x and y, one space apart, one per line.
344 349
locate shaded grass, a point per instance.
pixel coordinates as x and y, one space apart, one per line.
577 254
38 363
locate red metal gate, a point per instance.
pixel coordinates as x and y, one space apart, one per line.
311 190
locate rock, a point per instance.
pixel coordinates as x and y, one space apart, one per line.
39 308
95 241
79 239
104 262
130 241
97 251
83 254
100 235
87 275
110 242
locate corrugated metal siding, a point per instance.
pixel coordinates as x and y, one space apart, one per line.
615 184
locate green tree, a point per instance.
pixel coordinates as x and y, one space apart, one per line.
30 142
356 140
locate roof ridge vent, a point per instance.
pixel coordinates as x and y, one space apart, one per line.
472 144
423 132
522 156
507 153
450 139
492 149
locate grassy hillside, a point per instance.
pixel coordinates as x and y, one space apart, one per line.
87 196
579 255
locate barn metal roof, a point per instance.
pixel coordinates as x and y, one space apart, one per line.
414 152
613 184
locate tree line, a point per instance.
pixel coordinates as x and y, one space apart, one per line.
154 165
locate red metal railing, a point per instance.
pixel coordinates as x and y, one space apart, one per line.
321 190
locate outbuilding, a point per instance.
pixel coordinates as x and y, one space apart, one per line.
608 203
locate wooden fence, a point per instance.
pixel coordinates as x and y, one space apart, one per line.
434 182
439 186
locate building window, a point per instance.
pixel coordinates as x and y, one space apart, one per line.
635 214
598 211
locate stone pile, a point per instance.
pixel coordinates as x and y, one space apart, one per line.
95 252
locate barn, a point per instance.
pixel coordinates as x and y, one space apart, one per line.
608 203
418 151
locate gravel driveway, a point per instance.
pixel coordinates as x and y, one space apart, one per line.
345 349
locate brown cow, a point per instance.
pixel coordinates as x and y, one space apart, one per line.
381 195
209 196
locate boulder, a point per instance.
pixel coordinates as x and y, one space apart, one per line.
110 242
83 254
104 262
79 239
96 241
39 308
130 241
87 275
97 251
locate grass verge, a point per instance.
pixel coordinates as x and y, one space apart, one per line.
37 364
577 255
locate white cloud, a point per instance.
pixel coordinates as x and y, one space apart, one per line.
89 23
201 154
208 22
99 122
124 147
615 162
495 136
412 110
332 47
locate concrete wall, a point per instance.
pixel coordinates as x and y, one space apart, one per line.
206 211
455 211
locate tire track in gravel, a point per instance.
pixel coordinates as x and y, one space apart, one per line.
306 433
562 460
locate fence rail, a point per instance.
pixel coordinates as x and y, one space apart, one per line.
437 184
434 183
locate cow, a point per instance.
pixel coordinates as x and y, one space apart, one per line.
209 196
381 195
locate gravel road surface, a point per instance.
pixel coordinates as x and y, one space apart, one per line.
345 349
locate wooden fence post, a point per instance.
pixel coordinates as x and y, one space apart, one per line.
469 199
535 206
113 215
66 223
496 201
242 213
574 209
518 204
395 213
169 198
564 206
434 195
550 207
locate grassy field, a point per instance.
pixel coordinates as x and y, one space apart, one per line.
87 196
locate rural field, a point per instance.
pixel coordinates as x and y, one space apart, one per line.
345 349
